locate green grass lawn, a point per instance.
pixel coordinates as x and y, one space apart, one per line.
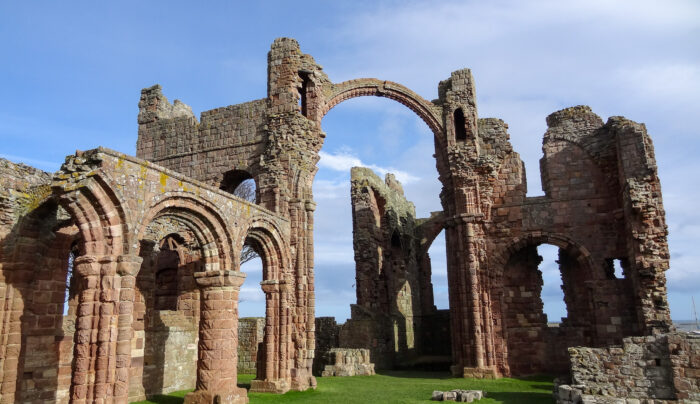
397 387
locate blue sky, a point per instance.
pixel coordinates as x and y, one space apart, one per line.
70 76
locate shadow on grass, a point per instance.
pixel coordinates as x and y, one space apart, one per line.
160 399
521 398
412 374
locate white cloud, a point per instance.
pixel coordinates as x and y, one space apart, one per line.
633 58
344 161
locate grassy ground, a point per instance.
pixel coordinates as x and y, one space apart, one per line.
397 387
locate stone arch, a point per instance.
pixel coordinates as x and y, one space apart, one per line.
581 254
35 270
273 368
232 180
100 214
430 229
212 230
388 89
272 248
528 343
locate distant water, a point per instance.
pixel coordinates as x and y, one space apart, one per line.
684 325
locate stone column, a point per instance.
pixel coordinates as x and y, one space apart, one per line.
218 340
127 268
87 269
103 328
273 377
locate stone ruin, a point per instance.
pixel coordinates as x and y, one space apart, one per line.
117 272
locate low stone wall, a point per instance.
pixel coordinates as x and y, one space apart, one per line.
327 334
250 335
348 362
662 368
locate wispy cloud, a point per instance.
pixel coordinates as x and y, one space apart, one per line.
344 161
42 164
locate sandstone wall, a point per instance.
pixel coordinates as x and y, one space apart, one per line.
664 367
37 339
250 337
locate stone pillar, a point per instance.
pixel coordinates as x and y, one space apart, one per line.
473 350
11 311
87 269
103 328
217 368
269 376
127 268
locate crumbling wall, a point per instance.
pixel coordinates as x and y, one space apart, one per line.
327 337
347 362
250 337
602 203
227 138
36 339
582 213
662 367
388 309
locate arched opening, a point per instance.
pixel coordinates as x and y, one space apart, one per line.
167 276
459 125
166 309
381 267
270 336
251 310
241 184
545 307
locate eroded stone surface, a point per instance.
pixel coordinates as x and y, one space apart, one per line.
154 245
347 362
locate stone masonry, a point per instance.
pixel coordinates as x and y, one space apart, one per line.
250 338
140 250
659 368
347 362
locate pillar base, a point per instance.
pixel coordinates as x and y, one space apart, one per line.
279 386
303 380
237 396
481 373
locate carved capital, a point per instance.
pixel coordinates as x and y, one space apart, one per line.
310 206
271 286
129 265
219 279
86 265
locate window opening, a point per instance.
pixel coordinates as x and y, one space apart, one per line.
71 286
614 268
437 255
304 76
460 125
554 306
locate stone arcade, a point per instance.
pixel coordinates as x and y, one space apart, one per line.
153 242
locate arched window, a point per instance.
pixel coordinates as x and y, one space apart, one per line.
241 184
166 287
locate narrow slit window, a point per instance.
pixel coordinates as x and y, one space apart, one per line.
460 125
302 92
